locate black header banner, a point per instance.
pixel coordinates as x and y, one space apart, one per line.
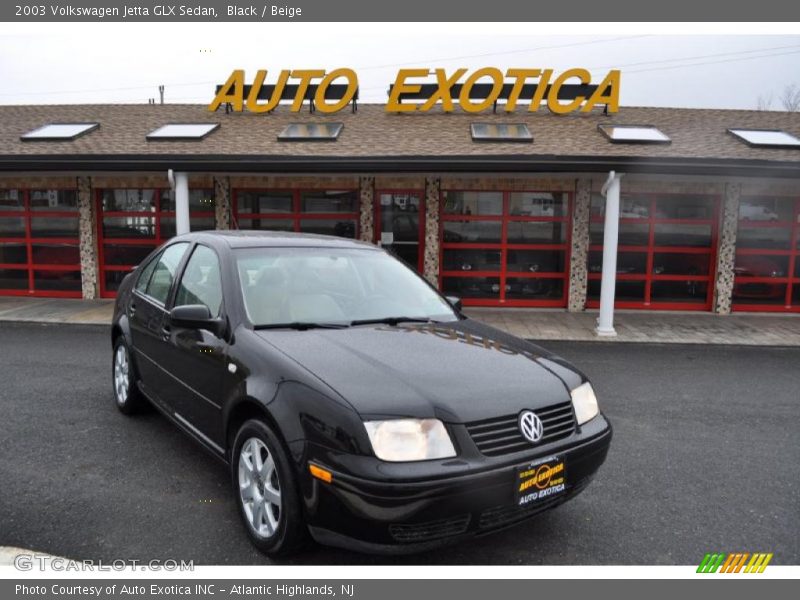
406 11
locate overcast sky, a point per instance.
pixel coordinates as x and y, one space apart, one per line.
110 62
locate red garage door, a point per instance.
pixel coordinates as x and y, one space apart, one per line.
667 251
39 243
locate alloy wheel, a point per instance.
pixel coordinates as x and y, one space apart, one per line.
121 374
259 487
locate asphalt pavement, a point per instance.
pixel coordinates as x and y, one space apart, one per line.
705 458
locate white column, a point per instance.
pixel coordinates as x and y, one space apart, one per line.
605 323
181 203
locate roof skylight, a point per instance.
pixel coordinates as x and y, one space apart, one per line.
500 132
311 132
766 138
182 131
634 134
59 132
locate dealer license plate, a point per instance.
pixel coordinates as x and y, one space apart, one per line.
540 479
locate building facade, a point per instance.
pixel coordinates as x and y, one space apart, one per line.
708 221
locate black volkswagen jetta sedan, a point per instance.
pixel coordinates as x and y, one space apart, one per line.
349 399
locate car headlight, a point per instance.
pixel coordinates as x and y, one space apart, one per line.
585 403
401 440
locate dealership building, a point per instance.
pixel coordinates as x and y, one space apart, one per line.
499 208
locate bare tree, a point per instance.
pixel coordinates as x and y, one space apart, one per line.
764 101
790 99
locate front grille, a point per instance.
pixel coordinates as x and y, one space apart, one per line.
432 530
501 435
501 516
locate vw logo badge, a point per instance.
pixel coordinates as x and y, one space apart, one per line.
531 426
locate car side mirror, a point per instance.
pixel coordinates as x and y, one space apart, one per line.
455 302
196 316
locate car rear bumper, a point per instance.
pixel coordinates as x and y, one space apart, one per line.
397 517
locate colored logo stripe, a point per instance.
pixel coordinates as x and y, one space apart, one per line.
733 563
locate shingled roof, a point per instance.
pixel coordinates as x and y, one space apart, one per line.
374 140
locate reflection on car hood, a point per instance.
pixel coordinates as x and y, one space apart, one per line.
458 372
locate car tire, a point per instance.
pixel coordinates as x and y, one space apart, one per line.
124 379
274 523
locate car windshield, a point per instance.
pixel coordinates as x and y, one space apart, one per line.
325 286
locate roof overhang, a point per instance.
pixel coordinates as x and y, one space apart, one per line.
403 164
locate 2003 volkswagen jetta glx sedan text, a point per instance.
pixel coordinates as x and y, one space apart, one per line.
348 397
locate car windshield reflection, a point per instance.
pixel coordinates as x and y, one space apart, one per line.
312 288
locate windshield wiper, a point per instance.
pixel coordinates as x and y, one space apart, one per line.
301 325
392 321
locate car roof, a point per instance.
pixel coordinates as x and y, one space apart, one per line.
278 239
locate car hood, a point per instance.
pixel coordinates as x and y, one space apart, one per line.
458 372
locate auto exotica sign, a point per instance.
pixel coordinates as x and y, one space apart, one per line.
569 91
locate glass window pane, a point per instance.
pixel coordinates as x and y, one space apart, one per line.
679 291
13 253
329 201
200 200
56 254
759 208
11 200
796 295
630 234
472 287
143 277
751 265
537 204
685 207
195 224
61 281
533 232
518 288
535 261
471 232
767 137
777 238
266 224
683 235
626 291
12 227
54 227
749 292
55 200
634 133
311 131
113 279
121 254
164 273
129 227
681 264
264 202
341 228
797 270
129 200
201 283
473 203
630 207
471 260
13 279
500 132
627 262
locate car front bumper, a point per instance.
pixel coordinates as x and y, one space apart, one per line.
395 515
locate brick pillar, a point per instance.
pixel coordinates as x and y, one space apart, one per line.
88 238
726 249
222 202
431 256
366 186
579 252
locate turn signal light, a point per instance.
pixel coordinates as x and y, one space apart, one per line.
320 473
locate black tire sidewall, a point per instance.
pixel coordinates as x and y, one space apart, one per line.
291 525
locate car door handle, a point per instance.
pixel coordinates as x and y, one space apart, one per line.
165 332
132 308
